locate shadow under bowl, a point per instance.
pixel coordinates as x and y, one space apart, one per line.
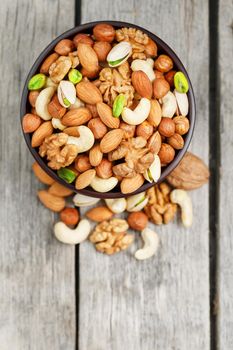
162 46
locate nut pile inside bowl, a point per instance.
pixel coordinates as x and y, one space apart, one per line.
108 109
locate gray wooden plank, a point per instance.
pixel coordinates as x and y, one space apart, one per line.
162 303
37 298
225 281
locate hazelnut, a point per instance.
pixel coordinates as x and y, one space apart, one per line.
98 128
160 87
170 77
102 49
93 110
83 38
163 63
129 130
145 130
166 154
70 216
181 125
82 163
176 141
32 96
154 143
31 122
166 127
137 220
64 47
151 48
104 32
104 169
55 109
158 74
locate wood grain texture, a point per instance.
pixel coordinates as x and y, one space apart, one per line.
225 297
162 303
37 298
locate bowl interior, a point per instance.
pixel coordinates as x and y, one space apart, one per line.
162 46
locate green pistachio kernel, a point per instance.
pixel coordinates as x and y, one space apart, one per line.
118 105
149 175
181 82
67 175
66 102
75 76
117 62
37 82
141 200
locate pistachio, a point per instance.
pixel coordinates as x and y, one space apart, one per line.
181 82
118 105
81 200
66 93
119 54
37 82
154 171
75 76
137 202
66 174
182 102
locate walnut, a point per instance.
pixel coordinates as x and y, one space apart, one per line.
160 209
111 237
57 151
60 68
138 158
137 39
116 81
74 59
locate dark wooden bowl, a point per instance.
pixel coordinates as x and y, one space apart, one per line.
87 28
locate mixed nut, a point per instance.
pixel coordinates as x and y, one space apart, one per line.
158 205
107 109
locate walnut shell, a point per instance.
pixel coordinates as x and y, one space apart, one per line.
190 174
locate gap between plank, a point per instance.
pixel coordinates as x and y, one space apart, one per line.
77 21
214 165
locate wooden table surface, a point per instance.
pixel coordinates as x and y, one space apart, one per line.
58 297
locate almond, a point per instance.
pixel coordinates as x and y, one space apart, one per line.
142 84
41 174
95 155
88 92
105 113
111 140
84 179
155 114
50 201
59 190
48 62
99 214
55 109
30 122
72 131
76 117
44 130
90 74
154 143
88 57
129 185
160 87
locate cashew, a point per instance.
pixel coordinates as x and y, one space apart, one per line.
136 202
50 83
169 105
151 244
66 93
77 104
103 185
72 236
42 102
182 198
145 66
117 205
80 200
57 124
85 141
154 171
182 102
140 113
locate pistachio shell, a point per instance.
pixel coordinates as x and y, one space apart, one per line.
182 102
119 54
81 200
154 171
117 205
66 93
169 105
136 202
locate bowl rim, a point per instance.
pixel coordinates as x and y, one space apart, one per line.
177 62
